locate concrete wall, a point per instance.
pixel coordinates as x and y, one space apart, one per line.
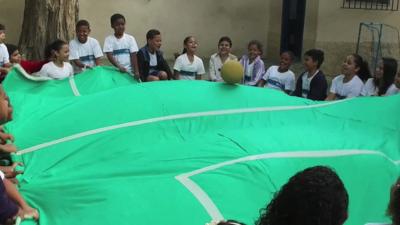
11 15
208 20
337 31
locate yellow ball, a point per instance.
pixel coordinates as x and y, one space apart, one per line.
232 72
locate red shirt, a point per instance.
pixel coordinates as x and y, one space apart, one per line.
32 66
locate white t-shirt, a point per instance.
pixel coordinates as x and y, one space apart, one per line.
188 70
216 65
121 49
51 70
87 52
370 89
249 69
153 59
4 57
346 90
392 90
280 81
306 82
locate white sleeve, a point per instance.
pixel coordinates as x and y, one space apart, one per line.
290 83
355 90
200 68
108 45
211 68
97 49
6 57
44 72
364 90
178 64
334 85
368 88
267 74
2 175
133 45
70 69
73 51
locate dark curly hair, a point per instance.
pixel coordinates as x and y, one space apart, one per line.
314 196
394 205
230 222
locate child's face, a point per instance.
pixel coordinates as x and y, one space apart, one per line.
254 52
155 43
119 26
63 53
224 48
82 33
191 45
397 80
349 67
15 57
379 70
285 62
2 36
5 107
309 63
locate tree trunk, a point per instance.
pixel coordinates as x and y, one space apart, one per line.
45 21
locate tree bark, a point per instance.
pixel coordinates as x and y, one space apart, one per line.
45 21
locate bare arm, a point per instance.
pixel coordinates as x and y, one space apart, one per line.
25 209
261 83
331 97
177 76
112 60
98 61
135 65
78 63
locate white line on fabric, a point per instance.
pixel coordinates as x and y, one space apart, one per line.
210 206
173 117
203 198
73 86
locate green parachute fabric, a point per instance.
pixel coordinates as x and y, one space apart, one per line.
103 149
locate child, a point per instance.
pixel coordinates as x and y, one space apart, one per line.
312 83
152 64
313 196
254 67
218 59
382 84
16 58
85 51
394 205
4 56
11 202
349 84
280 77
188 66
59 67
121 48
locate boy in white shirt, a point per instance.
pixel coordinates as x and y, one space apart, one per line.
280 77
85 51
121 48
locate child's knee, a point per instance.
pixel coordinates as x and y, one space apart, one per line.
152 78
163 75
